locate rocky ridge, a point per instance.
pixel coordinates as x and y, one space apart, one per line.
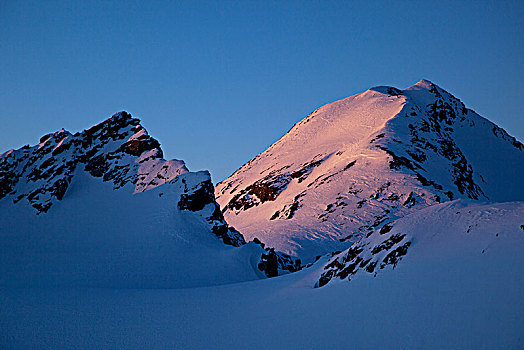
117 151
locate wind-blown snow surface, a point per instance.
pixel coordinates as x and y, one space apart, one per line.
105 238
101 208
460 287
355 164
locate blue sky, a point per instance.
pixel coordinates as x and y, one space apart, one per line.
217 82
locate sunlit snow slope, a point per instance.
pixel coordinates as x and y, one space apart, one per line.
355 164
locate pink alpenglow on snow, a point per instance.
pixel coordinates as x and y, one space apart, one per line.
354 165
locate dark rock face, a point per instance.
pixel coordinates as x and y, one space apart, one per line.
366 256
288 211
265 191
270 187
228 234
387 244
432 133
59 188
140 145
271 262
198 198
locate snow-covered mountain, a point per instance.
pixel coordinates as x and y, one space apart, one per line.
354 165
118 150
103 208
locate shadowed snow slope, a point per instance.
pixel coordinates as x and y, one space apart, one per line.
458 288
101 208
353 165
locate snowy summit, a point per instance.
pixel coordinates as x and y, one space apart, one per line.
353 165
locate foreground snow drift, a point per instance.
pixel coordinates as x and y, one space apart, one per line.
455 289
105 238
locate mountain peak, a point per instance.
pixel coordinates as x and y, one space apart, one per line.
424 83
121 114
426 86
118 150
114 124
349 165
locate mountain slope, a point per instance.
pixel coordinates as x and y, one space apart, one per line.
101 208
456 234
355 164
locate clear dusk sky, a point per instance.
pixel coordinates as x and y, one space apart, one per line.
216 82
